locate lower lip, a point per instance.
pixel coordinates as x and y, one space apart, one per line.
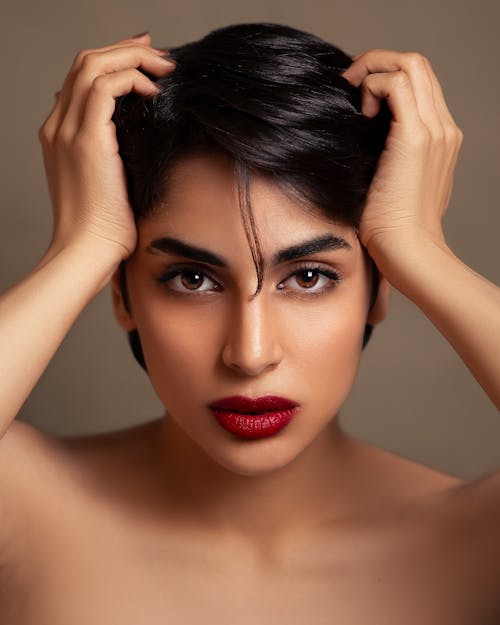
254 425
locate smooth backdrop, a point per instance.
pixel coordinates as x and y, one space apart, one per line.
413 395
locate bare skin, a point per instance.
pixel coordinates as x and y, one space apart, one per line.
100 541
172 520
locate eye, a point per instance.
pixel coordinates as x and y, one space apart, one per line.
307 277
190 278
187 280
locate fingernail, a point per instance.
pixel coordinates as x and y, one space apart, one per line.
140 35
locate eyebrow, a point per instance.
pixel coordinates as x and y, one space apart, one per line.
310 246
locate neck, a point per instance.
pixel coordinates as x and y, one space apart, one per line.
312 490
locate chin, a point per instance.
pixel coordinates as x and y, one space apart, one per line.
255 458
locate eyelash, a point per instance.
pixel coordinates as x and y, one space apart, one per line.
334 276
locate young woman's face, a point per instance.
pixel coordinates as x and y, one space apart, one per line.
205 338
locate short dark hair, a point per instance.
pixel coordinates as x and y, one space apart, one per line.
272 98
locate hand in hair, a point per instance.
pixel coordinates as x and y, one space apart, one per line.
408 196
412 184
85 173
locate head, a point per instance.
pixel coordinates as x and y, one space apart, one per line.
255 144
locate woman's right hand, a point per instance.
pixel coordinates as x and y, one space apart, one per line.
85 173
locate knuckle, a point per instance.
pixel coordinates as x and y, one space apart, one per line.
64 137
80 57
89 61
400 79
416 60
43 134
369 81
453 134
99 83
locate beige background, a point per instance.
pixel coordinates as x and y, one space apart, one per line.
413 395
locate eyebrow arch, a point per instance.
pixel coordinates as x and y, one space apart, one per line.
310 246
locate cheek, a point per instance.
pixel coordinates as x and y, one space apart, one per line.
178 347
330 345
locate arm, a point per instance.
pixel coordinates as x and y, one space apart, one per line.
408 196
94 225
463 305
37 313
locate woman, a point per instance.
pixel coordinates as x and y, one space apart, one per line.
226 508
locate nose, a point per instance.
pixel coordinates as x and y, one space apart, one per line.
252 345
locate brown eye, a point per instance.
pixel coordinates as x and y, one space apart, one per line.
311 278
308 277
193 281
186 280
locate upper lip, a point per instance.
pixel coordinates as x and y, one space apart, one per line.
247 405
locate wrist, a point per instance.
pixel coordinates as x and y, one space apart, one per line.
405 259
99 250
93 260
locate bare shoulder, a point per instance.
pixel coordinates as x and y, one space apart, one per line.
37 468
27 457
402 478
472 505
30 461
477 499
25 450
463 515
43 476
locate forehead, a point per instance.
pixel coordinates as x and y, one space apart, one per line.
202 195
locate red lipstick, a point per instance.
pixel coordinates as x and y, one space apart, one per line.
253 418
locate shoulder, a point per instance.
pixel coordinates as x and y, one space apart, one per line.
399 478
28 464
24 452
37 468
30 461
43 478
462 515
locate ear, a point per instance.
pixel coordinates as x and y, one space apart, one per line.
380 308
122 315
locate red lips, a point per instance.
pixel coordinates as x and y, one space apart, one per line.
250 418
247 405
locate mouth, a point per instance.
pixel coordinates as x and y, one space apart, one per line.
253 418
249 406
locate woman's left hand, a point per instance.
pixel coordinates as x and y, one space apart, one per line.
401 222
412 185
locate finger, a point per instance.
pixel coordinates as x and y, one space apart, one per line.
415 66
438 96
54 120
100 63
105 88
145 36
371 61
397 89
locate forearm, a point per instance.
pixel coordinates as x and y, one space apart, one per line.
463 305
37 313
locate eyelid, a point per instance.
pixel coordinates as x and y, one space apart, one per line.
333 275
175 270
